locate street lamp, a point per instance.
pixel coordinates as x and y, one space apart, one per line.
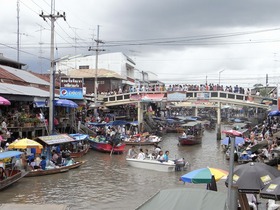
220 75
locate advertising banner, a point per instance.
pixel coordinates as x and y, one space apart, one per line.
203 96
71 88
176 96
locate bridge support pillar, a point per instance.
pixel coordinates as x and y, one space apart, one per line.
219 136
196 111
140 112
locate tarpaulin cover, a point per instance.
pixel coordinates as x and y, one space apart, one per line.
56 139
186 199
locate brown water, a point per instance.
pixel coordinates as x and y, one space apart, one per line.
107 182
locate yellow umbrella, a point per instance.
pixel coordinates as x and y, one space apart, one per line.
24 144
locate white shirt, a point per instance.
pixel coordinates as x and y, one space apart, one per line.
141 156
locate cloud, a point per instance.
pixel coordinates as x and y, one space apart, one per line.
180 40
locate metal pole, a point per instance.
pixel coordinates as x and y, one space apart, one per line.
52 17
51 111
96 69
18 32
232 202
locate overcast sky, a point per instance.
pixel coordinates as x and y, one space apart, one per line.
182 41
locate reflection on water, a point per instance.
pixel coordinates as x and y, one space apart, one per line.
106 182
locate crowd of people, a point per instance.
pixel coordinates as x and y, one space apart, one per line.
179 87
156 154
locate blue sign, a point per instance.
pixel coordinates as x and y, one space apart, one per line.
71 93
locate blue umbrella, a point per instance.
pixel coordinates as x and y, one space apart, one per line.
65 103
274 113
238 140
117 122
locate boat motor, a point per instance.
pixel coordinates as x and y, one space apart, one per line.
181 164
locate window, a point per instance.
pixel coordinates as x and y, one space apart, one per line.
83 67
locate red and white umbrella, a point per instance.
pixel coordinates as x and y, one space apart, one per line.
4 101
232 132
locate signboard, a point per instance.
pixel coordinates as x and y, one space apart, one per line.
176 96
71 88
147 97
71 93
69 82
203 96
56 139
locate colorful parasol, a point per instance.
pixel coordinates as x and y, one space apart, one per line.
65 103
4 101
238 140
204 175
25 143
232 132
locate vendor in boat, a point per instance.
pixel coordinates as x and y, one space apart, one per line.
43 163
3 174
184 135
54 157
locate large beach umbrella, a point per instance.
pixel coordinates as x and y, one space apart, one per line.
274 113
25 143
65 103
117 122
238 140
259 145
4 101
232 132
272 190
253 176
204 175
277 134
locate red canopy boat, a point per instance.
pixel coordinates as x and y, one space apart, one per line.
101 144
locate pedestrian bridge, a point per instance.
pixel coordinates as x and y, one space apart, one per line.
186 98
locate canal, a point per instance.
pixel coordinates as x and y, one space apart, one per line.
107 182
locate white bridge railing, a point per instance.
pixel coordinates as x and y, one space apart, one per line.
224 97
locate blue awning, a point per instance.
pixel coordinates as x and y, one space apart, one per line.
79 137
9 154
40 104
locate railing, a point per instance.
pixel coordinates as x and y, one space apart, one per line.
189 95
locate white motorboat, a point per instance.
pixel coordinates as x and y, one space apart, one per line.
152 164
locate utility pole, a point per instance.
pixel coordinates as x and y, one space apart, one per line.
97 50
18 33
52 17
266 84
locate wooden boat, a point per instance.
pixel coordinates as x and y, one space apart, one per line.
193 131
85 146
152 164
80 153
189 140
61 169
12 175
101 144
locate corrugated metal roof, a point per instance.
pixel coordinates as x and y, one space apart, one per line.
25 75
4 74
12 89
90 73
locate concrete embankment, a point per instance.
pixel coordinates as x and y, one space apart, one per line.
33 207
